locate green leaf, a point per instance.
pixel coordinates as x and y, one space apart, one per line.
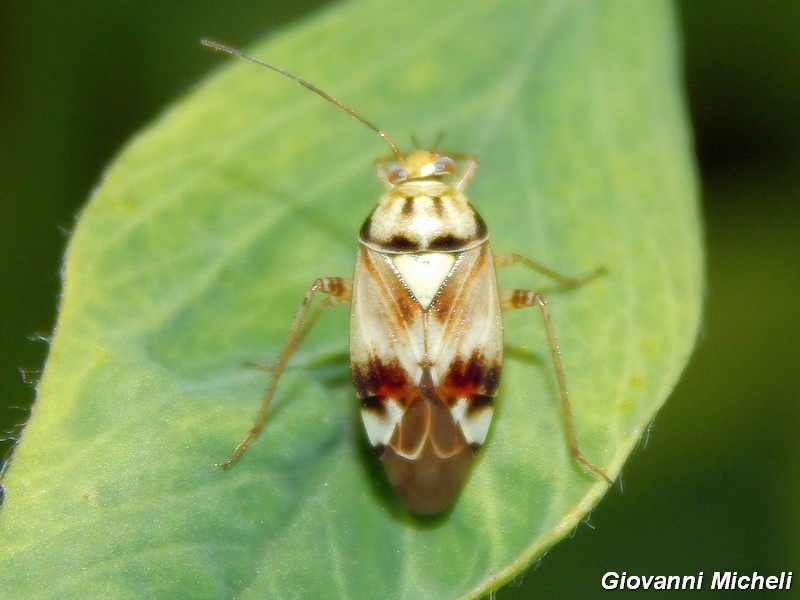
192 257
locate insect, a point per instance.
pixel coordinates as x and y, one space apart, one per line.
426 332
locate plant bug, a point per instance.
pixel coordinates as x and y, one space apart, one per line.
426 332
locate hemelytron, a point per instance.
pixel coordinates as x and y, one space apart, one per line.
426 332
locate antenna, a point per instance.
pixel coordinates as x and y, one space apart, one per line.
309 86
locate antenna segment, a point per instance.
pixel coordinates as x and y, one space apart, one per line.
309 86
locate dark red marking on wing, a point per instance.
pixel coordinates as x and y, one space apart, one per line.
478 402
475 375
376 378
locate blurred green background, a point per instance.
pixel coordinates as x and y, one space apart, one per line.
716 487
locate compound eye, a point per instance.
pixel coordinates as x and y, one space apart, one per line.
444 165
396 174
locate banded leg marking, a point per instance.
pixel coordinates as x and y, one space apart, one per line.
339 291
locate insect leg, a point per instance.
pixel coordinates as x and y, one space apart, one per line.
468 172
338 290
506 260
513 299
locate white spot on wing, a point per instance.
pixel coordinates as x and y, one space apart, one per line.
380 427
424 273
475 426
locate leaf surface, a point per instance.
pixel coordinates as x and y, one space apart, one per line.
193 254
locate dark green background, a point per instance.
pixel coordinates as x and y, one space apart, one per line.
717 485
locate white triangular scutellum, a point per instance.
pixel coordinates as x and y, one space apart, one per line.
424 273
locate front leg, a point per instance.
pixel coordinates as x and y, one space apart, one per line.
506 260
